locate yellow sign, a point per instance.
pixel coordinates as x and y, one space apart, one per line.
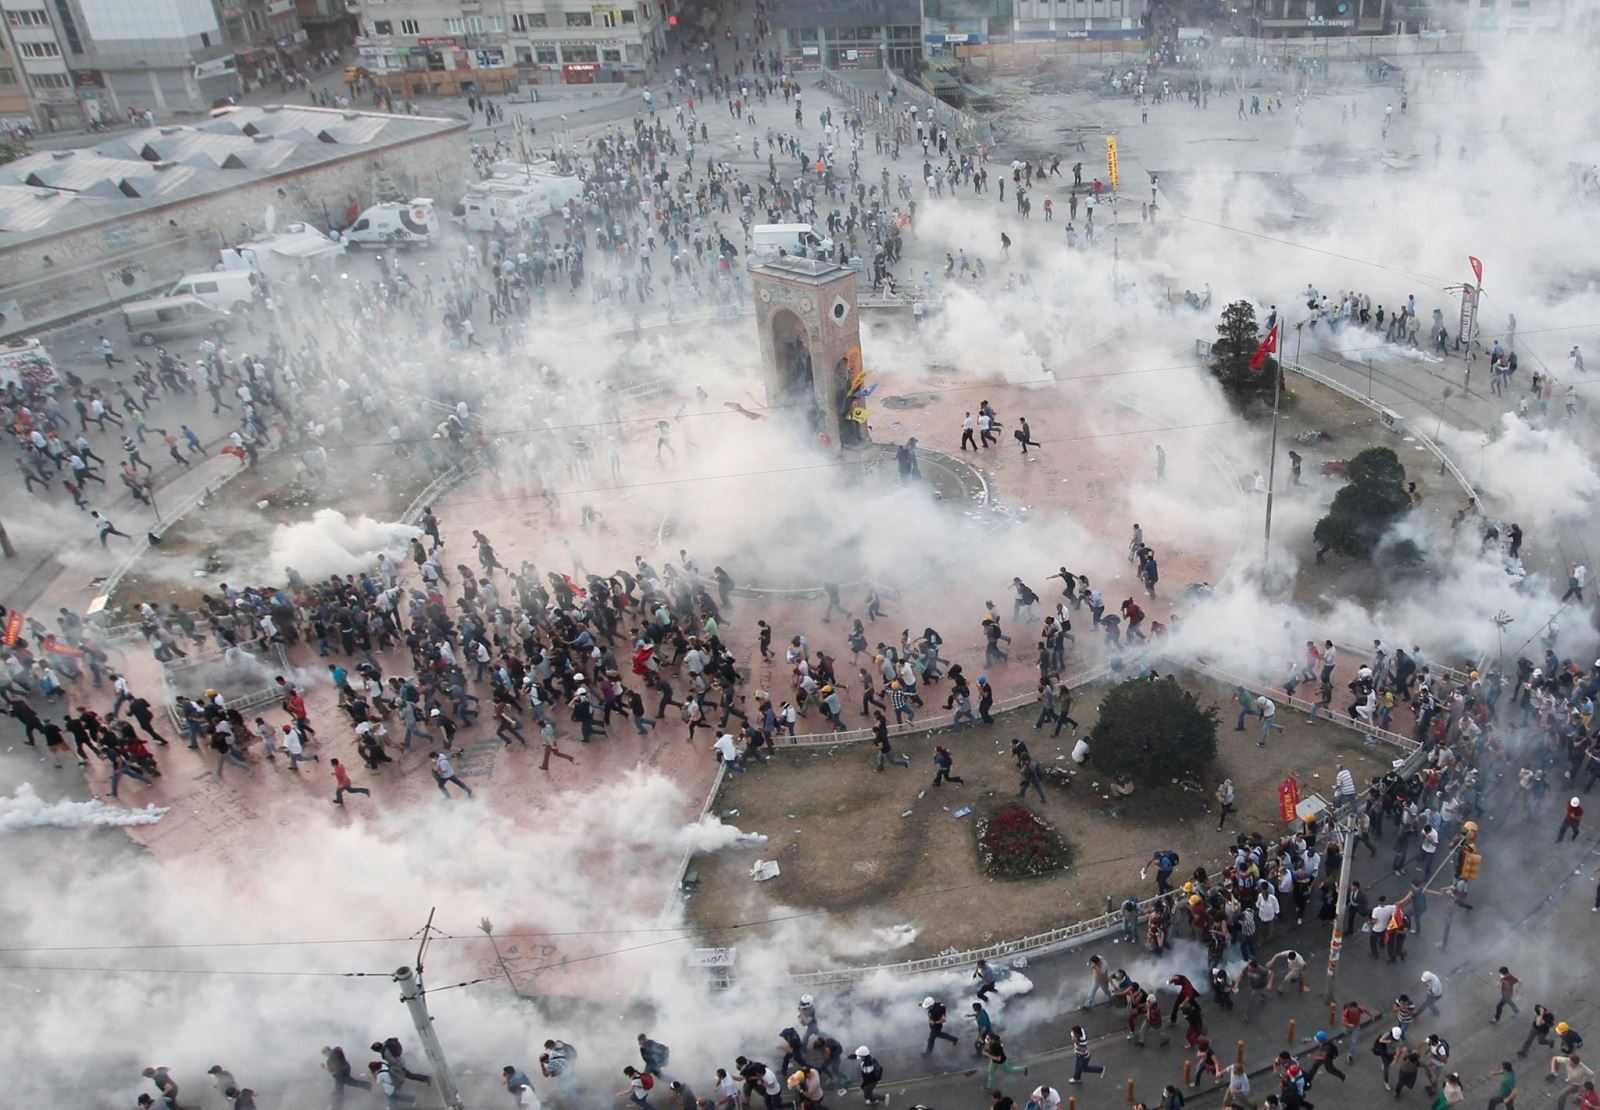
1111 159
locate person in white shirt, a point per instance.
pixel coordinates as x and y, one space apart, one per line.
1268 712
726 1091
1046 1098
1267 907
1379 920
727 749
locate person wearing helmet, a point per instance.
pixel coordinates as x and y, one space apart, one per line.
1390 1043
806 1015
1571 820
936 1019
1570 1039
1324 1056
871 1075
832 707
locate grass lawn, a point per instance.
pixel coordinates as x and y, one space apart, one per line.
845 844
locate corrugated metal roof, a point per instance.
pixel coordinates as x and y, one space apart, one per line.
55 191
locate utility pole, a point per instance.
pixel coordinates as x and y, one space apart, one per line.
1347 827
412 994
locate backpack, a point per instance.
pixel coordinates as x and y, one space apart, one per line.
647 1081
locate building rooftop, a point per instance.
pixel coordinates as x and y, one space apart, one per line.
809 271
58 191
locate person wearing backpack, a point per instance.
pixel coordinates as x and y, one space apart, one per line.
640 1084
871 1074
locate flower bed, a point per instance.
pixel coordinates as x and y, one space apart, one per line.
1015 843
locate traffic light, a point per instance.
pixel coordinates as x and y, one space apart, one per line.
1471 862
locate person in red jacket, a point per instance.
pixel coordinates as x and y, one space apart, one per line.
1573 817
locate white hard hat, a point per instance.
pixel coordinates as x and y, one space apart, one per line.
1577 801
1397 1034
863 1052
806 1000
926 1002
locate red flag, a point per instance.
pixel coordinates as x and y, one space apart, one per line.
13 628
1477 268
1269 346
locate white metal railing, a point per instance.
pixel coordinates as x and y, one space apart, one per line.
1078 932
1360 398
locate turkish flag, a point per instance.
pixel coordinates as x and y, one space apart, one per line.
1477 268
1269 346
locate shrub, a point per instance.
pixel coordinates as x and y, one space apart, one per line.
1373 498
1016 843
1151 731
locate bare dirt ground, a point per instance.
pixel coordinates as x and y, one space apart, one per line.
838 832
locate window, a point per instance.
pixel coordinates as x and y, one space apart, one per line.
39 50
410 27
611 54
571 52
8 76
48 80
455 25
545 55
536 19
69 27
627 17
383 26
524 56
205 38
580 19
519 22
33 17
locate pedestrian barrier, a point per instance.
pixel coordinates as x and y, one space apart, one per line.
1392 419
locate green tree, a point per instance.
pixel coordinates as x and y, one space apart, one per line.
1152 731
1238 337
1372 498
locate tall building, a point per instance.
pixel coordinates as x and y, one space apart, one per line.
415 46
35 66
175 55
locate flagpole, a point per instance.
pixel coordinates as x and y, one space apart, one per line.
1272 460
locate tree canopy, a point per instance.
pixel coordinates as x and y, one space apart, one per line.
1238 337
1373 497
1152 731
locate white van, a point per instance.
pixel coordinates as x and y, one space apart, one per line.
504 202
393 224
229 290
162 318
766 240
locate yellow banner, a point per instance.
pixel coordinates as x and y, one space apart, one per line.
1111 159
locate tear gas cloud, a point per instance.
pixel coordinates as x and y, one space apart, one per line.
1407 232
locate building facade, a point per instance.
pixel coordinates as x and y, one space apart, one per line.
1314 18
38 63
330 24
849 34
459 45
1069 20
